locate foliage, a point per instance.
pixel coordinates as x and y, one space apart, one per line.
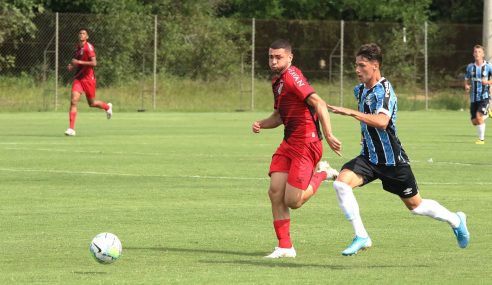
16 24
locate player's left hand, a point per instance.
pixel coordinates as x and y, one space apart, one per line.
334 144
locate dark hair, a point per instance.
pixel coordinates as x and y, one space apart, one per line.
371 52
84 29
479 46
280 43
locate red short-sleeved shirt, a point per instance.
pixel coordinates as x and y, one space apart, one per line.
85 53
290 91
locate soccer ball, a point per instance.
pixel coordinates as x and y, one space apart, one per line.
106 248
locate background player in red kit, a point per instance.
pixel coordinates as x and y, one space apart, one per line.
293 179
84 81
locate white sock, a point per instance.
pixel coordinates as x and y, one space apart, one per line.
481 131
350 207
436 211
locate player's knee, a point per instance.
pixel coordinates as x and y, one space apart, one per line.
275 195
293 204
339 186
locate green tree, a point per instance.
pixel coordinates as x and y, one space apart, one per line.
16 25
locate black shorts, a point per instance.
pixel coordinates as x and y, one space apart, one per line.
479 106
397 179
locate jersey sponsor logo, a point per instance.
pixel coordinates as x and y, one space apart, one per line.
386 89
297 79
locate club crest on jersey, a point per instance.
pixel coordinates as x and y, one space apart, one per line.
368 100
297 79
280 86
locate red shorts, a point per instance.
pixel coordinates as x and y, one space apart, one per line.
298 160
87 86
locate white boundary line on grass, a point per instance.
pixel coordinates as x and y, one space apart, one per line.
131 174
158 154
199 176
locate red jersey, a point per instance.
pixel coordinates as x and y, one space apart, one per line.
85 53
290 91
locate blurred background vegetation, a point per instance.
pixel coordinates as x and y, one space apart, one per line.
209 43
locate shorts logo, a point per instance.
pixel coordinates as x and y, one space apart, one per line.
407 191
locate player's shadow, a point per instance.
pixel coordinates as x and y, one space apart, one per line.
196 250
263 262
281 263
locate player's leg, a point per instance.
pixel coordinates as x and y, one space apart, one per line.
402 182
72 114
489 109
304 181
431 208
281 216
478 121
90 93
480 117
346 181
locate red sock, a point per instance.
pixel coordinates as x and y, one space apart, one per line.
316 180
104 106
72 116
282 229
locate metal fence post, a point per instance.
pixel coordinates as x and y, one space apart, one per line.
155 64
56 62
426 73
253 64
341 61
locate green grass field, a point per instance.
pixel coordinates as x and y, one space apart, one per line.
186 194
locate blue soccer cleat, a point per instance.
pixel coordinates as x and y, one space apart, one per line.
359 243
461 231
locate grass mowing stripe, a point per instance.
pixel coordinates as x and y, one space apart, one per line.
200 214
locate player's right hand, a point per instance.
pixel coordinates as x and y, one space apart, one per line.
70 67
256 127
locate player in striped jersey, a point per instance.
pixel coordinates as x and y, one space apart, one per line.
382 156
477 81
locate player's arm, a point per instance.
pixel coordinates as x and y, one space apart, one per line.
92 62
273 121
379 120
467 85
324 118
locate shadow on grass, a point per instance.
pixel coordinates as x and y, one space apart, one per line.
281 263
196 250
263 261
90 272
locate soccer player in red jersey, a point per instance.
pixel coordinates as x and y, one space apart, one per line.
84 61
293 175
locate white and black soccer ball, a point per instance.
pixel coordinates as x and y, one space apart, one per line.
106 248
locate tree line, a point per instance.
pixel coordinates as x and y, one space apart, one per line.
204 38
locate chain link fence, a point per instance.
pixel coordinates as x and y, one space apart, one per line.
141 62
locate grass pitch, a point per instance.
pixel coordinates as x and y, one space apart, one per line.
186 194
